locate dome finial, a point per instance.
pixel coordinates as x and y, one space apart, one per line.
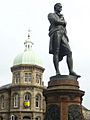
28 43
29 33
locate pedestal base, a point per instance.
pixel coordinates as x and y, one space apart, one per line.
63 97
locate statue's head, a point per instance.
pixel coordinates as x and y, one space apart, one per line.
58 7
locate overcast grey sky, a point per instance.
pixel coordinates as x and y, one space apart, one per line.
16 16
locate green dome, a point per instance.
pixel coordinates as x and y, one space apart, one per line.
28 56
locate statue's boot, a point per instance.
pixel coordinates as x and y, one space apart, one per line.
74 74
58 73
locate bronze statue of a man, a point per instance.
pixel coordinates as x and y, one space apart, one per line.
59 46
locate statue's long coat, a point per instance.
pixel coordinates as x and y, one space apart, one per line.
57 23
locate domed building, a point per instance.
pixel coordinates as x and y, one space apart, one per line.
23 99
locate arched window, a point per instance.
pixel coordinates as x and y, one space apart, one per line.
1 118
27 100
2 102
26 118
38 118
16 100
38 101
13 117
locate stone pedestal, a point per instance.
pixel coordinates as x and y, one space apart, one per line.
63 98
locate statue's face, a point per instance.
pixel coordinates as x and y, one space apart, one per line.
58 8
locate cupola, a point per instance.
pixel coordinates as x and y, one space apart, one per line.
28 57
